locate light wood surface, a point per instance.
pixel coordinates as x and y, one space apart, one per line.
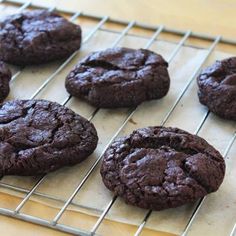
207 16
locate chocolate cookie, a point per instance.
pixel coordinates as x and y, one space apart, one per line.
119 77
5 77
38 36
217 88
158 168
38 136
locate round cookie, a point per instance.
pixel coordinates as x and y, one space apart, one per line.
39 136
5 77
119 77
37 36
158 168
217 88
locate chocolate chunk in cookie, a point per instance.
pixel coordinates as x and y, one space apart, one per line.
37 36
39 136
5 77
158 168
217 88
119 77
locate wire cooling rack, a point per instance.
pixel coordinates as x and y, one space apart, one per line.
127 27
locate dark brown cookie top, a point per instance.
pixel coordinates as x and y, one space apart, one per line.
119 77
217 88
37 36
158 168
5 77
39 136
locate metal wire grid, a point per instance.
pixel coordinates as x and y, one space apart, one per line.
129 25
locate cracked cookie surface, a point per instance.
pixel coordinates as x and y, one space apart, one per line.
39 136
119 77
37 36
217 88
158 168
5 77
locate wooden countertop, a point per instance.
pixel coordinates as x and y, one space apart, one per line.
207 16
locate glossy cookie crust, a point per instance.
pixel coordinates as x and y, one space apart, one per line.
38 36
119 77
5 77
217 88
158 168
39 136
